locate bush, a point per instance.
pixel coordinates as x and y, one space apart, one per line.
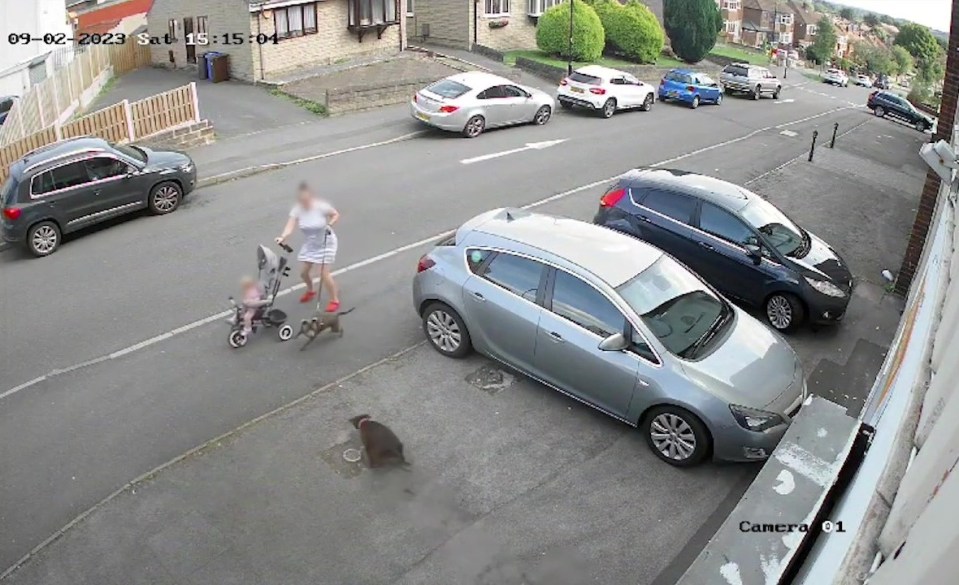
631 29
692 26
552 32
921 94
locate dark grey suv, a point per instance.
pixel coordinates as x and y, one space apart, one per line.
73 184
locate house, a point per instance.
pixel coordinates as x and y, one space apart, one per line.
732 14
122 17
24 63
268 39
501 25
806 22
767 22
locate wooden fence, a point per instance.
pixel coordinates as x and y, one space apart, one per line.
70 88
121 122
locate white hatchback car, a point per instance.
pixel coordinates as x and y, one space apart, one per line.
835 77
605 90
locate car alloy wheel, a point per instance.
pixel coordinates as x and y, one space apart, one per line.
784 312
676 436
446 331
43 239
921 126
609 108
880 111
165 198
542 115
648 103
695 103
474 127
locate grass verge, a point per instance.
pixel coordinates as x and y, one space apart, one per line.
740 54
308 105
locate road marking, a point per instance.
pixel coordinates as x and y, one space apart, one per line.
789 133
529 146
390 254
788 101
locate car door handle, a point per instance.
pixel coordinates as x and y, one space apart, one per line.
643 382
556 337
643 218
479 297
706 245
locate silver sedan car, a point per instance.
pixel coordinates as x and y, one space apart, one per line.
472 102
617 324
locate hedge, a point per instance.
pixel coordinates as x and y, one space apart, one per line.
552 32
631 29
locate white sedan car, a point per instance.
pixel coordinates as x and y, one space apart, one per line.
605 90
835 77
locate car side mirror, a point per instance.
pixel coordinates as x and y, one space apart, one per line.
615 342
754 251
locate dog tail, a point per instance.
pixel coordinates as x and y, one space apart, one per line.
346 312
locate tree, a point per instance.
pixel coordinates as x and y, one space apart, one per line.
631 29
848 13
692 26
552 32
824 47
871 19
875 59
919 41
903 60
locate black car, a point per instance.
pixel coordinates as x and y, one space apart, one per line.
734 239
6 104
886 104
73 184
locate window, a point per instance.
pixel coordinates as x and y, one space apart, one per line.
295 21
201 26
785 37
577 301
64 177
410 7
811 29
511 91
679 77
171 29
520 276
104 167
672 205
538 7
497 8
779 230
583 78
372 12
501 92
785 18
732 4
448 88
475 259
725 225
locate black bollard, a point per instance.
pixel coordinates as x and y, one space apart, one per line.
812 147
835 128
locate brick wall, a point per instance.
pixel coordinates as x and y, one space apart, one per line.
520 33
185 138
341 101
448 22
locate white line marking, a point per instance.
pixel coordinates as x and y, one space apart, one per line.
789 133
786 483
389 254
807 464
529 146
789 101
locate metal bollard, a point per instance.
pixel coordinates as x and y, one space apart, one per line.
835 128
812 147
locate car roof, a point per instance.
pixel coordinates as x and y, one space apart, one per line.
609 255
683 71
59 150
480 79
724 194
600 71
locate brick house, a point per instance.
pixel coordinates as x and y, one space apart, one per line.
732 14
807 22
269 38
501 25
125 16
767 22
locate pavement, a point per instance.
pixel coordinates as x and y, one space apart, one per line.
131 370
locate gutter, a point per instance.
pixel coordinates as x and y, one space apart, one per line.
471 4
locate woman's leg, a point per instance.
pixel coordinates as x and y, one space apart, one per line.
307 275
326 277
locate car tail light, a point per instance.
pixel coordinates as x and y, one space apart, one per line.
597 91
612 198
690 88
12 213
449 109
416 97
662 82
424 264
564 81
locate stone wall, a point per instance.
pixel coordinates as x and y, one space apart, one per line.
519 32
352 99
448 22
185 138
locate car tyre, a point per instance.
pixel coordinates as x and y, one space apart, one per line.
474 127
695 103
921 126
719 100
165 198
784 312
542 115
777 92
648 103
757 92
566 105
446 332
43 239
880 112
608 109
676 436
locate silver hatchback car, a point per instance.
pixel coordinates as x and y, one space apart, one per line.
472 102
617 324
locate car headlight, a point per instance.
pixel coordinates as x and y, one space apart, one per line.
826 288
187 167
752 419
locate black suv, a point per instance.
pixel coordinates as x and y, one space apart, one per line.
735 240
884 103
76 183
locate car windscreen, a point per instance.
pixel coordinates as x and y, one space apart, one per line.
583 78
448 88
132 152
779 230
678 77
676 306
736 70
7 192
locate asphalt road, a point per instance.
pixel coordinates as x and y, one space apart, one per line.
72 438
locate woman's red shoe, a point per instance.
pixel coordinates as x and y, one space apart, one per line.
308 296
333 306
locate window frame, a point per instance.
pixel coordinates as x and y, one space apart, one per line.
90 159
172 26
699 226
378 9
504 9
786 18
33 180
302 31
732 4
536 8
482 271
410 7
644 196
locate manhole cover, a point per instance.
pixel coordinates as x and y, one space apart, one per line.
491 380
352 455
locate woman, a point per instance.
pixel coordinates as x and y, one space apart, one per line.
315 219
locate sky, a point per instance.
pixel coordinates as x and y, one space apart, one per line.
935 14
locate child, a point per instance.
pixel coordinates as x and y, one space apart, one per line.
252 300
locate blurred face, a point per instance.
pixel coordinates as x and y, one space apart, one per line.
304 198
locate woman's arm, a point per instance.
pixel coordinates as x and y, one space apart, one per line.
333 216
287 230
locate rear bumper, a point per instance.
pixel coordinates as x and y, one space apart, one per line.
581 100
449 122
682 96
737 86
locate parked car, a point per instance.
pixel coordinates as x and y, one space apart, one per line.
616 324
750 79
474 101
689 87
604 90
6 104
863 80
881 82
886 104
835 77
76 183
738 242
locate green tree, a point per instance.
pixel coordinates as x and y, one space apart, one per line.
903 60
552 32
692 26
631 29
875 59
824 47
919 41
848 13
871 19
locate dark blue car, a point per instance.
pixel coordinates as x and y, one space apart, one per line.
689 87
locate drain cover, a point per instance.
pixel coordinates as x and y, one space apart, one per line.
351 455
490 380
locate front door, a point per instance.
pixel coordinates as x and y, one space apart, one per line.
577 318
662 219
724 261
111 183
64 190
188 38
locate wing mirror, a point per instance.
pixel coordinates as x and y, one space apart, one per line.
754 251
615 342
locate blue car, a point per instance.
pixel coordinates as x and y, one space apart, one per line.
689 87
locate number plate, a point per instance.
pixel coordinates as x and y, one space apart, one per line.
576 89
423 117
673 94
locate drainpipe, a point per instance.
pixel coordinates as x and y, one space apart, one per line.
259 16
473 4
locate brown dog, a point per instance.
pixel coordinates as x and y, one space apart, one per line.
311 328
382 446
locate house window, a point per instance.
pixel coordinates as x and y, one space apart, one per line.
410 4
810 29
497 8
785 38
785 19
732 4
535 7
732 27
372 12
295 21
201 26
171 27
